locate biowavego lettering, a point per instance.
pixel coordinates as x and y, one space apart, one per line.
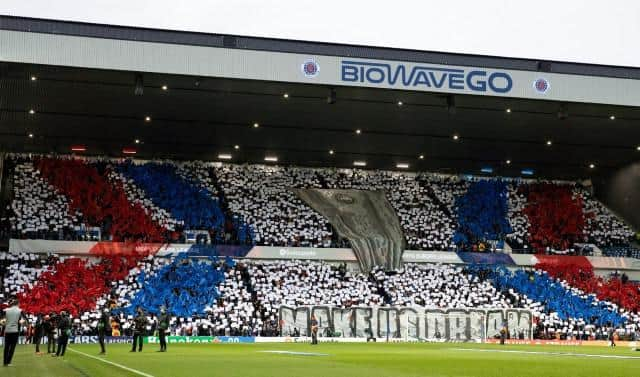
419 76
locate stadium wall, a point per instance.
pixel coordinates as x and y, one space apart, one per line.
602 265
620 191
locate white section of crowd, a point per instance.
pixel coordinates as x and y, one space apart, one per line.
36 205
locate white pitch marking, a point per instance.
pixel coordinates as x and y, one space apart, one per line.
297 353
549 353
112 363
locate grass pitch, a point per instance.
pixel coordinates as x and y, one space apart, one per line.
338 360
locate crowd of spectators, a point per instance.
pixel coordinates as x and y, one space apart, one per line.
74 199
250 293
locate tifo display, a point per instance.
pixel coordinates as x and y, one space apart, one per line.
102 199
222 297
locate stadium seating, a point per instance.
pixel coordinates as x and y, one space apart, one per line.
62 198
100 202
439 286
482 214
222 297
39 211
192 205
621 251
261 196
616 289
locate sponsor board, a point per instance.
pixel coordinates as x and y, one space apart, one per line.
553 342
308 253
83 339
306 339
431 257
200 339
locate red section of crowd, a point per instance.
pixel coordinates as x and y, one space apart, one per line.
75 284
555 217
615 289
101 202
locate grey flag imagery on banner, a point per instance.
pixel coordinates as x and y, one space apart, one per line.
366 219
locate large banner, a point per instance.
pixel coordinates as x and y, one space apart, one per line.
366 219
407 323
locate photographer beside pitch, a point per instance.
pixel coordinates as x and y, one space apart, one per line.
163 326
104 328
139 327
314 330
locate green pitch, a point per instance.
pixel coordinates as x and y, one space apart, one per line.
338 360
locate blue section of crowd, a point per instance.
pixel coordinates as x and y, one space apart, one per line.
185 287
185 201
482 214
539 286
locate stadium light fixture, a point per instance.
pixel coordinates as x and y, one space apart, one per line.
508 162
421 157
402 166
527 172
236 147
638 148
358 131
286 95
224 156
456 137
129 151
400 103
256 125
32 111
164 87
508 110
359 163
612 117
147 118
30 136
331 151
592 166
549 143
33 78
78 148
271 158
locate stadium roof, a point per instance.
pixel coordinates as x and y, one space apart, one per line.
47 106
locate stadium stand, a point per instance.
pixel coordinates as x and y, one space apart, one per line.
243 298
57 198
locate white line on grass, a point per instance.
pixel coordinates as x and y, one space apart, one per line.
549 353
112 363
296 353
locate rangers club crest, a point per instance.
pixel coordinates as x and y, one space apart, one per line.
310 68
541 85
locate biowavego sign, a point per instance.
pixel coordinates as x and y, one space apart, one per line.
425 77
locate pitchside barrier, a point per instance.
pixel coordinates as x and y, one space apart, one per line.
306 339
405 323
